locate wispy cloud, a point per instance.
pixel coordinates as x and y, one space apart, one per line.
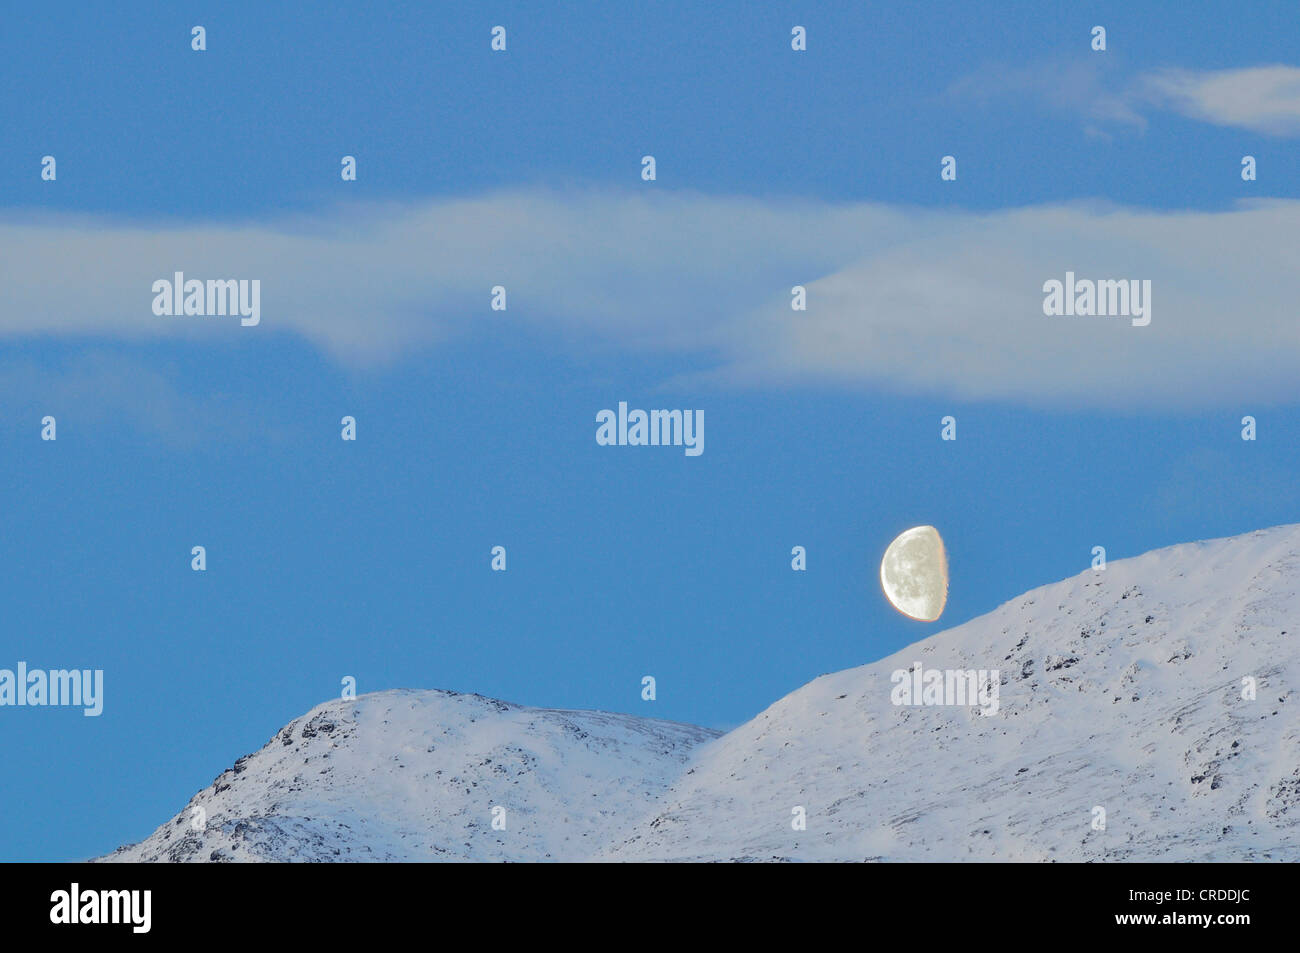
104 385
1262 99
933 302
1088 88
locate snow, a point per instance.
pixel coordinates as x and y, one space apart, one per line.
414 775
1120 689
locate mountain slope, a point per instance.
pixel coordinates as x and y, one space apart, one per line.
1119 690
414 775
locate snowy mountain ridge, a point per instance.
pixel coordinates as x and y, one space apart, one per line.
413 775
1145 712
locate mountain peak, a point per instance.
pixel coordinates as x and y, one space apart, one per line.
407 775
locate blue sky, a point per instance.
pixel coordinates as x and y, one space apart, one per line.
476 428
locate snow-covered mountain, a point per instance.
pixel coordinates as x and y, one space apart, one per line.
1123 691
414 775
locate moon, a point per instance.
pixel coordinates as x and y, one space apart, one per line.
914 574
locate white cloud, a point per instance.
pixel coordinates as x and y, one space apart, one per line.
959 311
1262 99
1259 98
927 302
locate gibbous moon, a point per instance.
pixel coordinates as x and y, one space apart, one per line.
914 574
